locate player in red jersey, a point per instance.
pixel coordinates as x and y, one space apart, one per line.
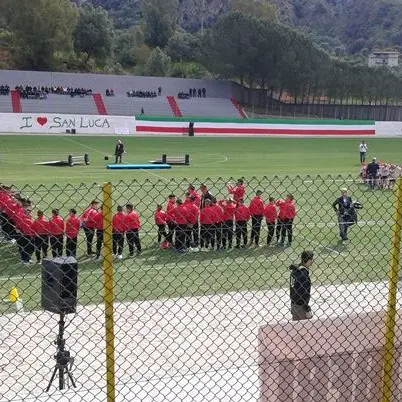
160 222
242 216
271 215
193 213
181 219
207 216
256 209
193 192
26 241
41 240
72 229
133 224
56 231
97 220
217 228
238 191
119 228
228 207
287 213
88 223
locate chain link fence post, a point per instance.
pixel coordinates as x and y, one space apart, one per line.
392 293
108 277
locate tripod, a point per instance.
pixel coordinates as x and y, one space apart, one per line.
64 361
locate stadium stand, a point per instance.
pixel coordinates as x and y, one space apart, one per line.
208 107
60 104
5 104
121 105
215 103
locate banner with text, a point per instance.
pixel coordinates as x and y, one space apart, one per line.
62 123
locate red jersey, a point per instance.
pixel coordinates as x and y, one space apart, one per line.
218 213
181 213
26 226
4 199
72 226
242 213
11 208
228 209
287 210
89 217
132 221
170 214
238 192
256 206
270 212
207 216
118 222
97 219
193 212
18 215
56 225
40 226
197 197
160 217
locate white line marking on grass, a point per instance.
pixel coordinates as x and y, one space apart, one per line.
224 159
331 181
83 145
332 250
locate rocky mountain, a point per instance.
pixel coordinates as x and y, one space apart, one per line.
351 26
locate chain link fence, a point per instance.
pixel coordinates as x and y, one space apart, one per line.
189 301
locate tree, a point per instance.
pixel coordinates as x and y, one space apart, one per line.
160 18
40 29
182 46
158 64
94 33
263 9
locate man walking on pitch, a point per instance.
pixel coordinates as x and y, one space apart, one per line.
344 208
363 151
300 288
119 151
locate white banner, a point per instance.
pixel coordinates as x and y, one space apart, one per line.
60 123
388 128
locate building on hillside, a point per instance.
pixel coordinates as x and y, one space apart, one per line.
377 59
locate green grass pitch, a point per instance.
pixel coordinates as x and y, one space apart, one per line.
275 165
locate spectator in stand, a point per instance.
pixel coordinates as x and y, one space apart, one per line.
56 231
4 90
133 224
193 212
256 209
41 238
190 92
286 214
160 222
242 216
194 92
170 217
205 195
238 191
204 92
142 94
181 219
88 223
199 93
159 91
119 228
228 207
72 229
207 223
26 238
271 215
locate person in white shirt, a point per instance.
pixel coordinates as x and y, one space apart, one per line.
363 150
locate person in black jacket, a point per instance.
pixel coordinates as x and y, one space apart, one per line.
372 173
119 151
300 288
344 208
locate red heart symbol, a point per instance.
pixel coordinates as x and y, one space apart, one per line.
42 120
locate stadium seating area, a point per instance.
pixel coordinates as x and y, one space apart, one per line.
159 98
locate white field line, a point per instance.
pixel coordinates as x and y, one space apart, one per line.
331 181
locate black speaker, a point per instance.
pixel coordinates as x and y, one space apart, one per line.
59 285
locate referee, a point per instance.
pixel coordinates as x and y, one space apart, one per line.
300 288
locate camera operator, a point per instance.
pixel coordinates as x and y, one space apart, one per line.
345 210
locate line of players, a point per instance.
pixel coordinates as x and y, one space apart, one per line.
198 222
378 174
203 222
